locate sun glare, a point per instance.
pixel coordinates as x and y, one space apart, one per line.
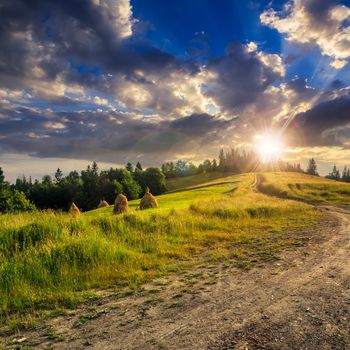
269 147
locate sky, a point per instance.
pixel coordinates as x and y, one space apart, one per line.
114 81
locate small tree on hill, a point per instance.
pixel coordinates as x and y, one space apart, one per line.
129 167
312 167
138 166
58 175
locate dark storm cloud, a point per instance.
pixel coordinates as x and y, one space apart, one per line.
322 125
240 78
200 124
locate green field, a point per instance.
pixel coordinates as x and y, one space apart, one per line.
312 189
49 261
193 180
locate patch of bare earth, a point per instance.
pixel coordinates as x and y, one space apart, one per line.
299 302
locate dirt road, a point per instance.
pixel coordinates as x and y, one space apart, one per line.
299 302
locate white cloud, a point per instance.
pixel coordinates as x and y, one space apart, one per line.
315 22
120 14
100 101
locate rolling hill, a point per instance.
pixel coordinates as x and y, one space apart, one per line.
51 260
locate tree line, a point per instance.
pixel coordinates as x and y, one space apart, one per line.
87 187
336 174
233 161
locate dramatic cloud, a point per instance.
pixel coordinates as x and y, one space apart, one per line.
107 136
317 22
326 124
237 79
77 42
84 79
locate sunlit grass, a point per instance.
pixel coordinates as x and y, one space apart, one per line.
312 189
53 260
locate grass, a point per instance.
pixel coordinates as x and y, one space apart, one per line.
311 189
194 180
50 261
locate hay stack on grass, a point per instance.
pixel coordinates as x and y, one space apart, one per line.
103 204
120 204
74 210
148 200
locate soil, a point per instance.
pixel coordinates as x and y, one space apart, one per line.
301 301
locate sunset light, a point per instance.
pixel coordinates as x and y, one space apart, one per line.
269 147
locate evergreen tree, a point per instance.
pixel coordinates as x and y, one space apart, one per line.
129 167
345 171
221 159
312 167
2 178
214 165
138 166
58 175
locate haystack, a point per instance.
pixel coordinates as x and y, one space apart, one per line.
120 204
103 204
74 210
148 200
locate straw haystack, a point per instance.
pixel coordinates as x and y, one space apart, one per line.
103 204
148 200
74 210
120 204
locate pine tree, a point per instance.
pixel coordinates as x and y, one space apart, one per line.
2 178
58 175
138 166
345 171
312 167
221 159
214 165
129 167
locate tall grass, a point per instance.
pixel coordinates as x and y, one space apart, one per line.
49 260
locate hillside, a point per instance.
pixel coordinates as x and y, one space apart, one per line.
311 189
52 262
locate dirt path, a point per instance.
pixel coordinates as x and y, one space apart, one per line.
299 302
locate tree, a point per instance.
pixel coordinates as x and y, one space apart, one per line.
129 167
207 166
90 188
344 174
180 168
334 174
16 201
47 179
312 167
138 166
2 178
58 175
214 165
11 199
154 179
221 159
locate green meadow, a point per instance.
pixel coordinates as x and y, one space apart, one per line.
311 189
50 261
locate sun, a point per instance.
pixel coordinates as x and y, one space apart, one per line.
269 147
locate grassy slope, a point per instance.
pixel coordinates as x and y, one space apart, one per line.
49 260
190 181
312 189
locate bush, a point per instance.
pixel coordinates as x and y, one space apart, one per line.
13 200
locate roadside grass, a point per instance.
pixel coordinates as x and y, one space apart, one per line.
312 189
52 261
